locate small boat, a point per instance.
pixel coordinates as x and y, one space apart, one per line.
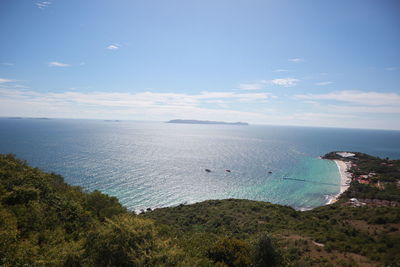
269 172
207 170
228 170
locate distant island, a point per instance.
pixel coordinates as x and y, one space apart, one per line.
33 118
208 122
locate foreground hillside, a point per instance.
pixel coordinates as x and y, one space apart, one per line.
44 221
330 235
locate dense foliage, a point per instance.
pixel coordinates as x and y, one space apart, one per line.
334 234
44 221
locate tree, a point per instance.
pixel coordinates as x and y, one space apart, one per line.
265 254
124 241
103 205
230 251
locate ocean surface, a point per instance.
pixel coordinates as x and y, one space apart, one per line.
156 164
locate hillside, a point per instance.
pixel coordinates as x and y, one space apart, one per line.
44 221
362 228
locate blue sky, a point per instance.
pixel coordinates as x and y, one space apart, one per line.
310 63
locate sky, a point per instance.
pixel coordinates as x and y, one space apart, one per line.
300 62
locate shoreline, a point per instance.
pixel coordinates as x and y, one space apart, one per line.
345 179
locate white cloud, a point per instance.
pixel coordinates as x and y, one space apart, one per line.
357 97
251 86
2 80
281 70
323 83
285 82
231 95
313 116
57 64
142 99
365 109
7 64
113 47
217 101
296 60
43 4
391 68
143 105
369 109
203 106
82 88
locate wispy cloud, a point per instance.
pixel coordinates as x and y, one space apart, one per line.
82 88
251 86
285 82
391 68
203 105
281 70
113 47
324 83
2 80
43 4
365 109
357 97
315 115
296 60
144 105
57 64
353 109
7 64
241 97
148 99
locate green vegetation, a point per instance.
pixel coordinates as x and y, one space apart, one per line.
382 177
346 235
45 222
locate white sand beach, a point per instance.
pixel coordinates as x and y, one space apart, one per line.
345 179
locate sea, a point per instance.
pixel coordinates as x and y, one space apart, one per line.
158 164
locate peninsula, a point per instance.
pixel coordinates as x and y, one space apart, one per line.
208 122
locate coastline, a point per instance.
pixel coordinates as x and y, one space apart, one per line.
345 179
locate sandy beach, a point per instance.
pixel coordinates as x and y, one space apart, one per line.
345 178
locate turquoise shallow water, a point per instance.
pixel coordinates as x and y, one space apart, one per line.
158 164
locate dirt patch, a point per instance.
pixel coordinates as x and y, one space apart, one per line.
304 247
375 229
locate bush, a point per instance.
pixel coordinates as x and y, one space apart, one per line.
123 241
265 253
21 195
103 205
231 252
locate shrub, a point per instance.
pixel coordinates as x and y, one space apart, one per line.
21 195
103 205
230 251
265 252
124 241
